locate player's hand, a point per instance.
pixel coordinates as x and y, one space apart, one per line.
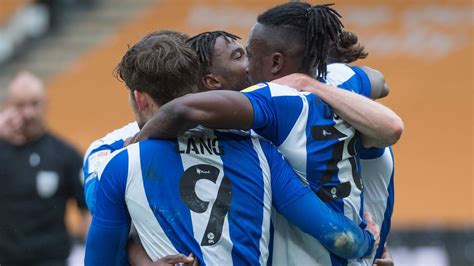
131 140
385 259
180 259
373 228
11 123
298 81
128 141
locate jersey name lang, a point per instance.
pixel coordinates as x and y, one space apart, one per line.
202 146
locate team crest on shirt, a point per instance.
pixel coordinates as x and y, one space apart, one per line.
254 87
47 183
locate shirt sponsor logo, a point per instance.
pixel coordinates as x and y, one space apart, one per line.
326 133
97 159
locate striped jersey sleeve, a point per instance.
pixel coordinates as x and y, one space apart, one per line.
276 109
350 78
98 154
108 232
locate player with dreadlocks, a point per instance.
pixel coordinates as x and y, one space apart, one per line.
299 36
299 33
223 61
320 145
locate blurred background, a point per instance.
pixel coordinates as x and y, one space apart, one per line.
424 48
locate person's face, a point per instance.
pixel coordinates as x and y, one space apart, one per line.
259 57
28 98
230 63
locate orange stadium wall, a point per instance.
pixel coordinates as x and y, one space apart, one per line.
424 48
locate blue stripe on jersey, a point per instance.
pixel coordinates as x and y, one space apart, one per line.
161 180
89 194
371 153
321 166
246 233
111 220
270 245
110 191
338 261
386 224
277 118
362 80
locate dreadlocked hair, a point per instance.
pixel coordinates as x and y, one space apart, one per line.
347 50
320 25
203 44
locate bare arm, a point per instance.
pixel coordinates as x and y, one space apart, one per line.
213 109
380 126
377 82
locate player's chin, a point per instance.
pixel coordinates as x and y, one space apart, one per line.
246 81
242 84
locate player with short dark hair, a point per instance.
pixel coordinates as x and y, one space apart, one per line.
208 192
141 73
100 149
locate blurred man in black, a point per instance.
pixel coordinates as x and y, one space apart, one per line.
39 173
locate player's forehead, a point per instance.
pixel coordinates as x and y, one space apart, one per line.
224 46
256 33
258 37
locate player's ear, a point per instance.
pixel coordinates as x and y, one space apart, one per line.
277 63
140 99
212 82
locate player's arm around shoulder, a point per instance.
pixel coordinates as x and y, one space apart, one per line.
378 124
379 87
213 109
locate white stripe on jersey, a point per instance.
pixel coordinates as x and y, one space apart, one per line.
218 254
291 245
267 196
294 146
338 74
122 133
352 203
376 174
101 167
153 238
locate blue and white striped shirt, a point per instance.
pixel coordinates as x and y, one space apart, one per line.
321 148
209 193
